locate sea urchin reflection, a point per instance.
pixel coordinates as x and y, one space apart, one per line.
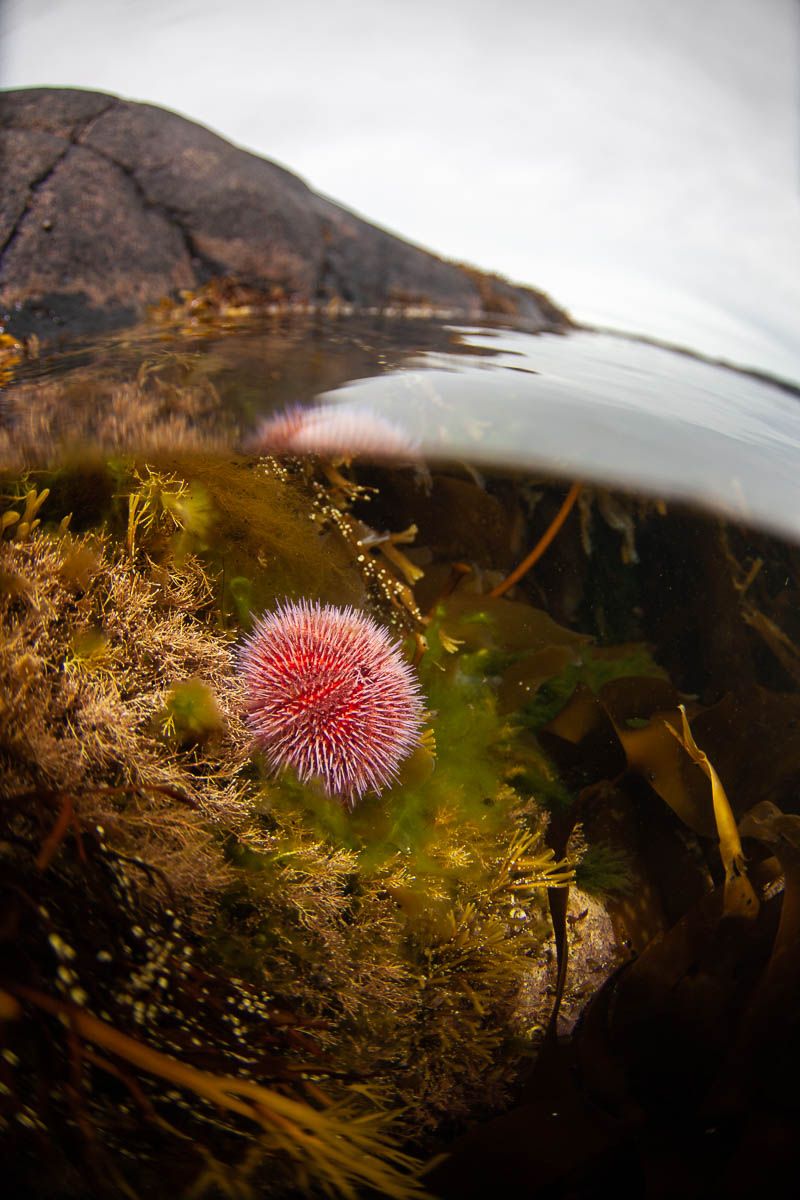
333 431
330 695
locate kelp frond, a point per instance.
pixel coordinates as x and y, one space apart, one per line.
740 899
542 545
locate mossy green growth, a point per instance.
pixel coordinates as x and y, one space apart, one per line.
240 594
261 543
251 531
596 667
604 870
190 713
506 641
539 779
88 651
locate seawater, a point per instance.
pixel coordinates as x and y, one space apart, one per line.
576 897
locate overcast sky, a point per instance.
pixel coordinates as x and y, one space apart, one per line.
638 159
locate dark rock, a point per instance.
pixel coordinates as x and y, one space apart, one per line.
28 158
109 206
66 112
87 228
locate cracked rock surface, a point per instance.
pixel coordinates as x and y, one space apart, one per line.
109 205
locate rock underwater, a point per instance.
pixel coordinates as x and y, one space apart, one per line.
109 205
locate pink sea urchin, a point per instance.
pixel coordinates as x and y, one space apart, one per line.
333 431
329 694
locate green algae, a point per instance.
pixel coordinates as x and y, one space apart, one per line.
597 666
604 870
190 713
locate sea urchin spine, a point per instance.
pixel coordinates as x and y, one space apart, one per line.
330 695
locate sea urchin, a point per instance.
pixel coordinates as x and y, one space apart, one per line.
330 695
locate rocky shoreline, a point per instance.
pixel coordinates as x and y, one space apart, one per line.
110 206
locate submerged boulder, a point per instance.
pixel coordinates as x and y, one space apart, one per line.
110 205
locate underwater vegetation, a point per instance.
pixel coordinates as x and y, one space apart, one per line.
261 985
220 975
604 870
680 1077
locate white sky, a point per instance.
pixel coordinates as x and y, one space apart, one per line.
638 159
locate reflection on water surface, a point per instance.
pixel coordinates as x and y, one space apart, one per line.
619 412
